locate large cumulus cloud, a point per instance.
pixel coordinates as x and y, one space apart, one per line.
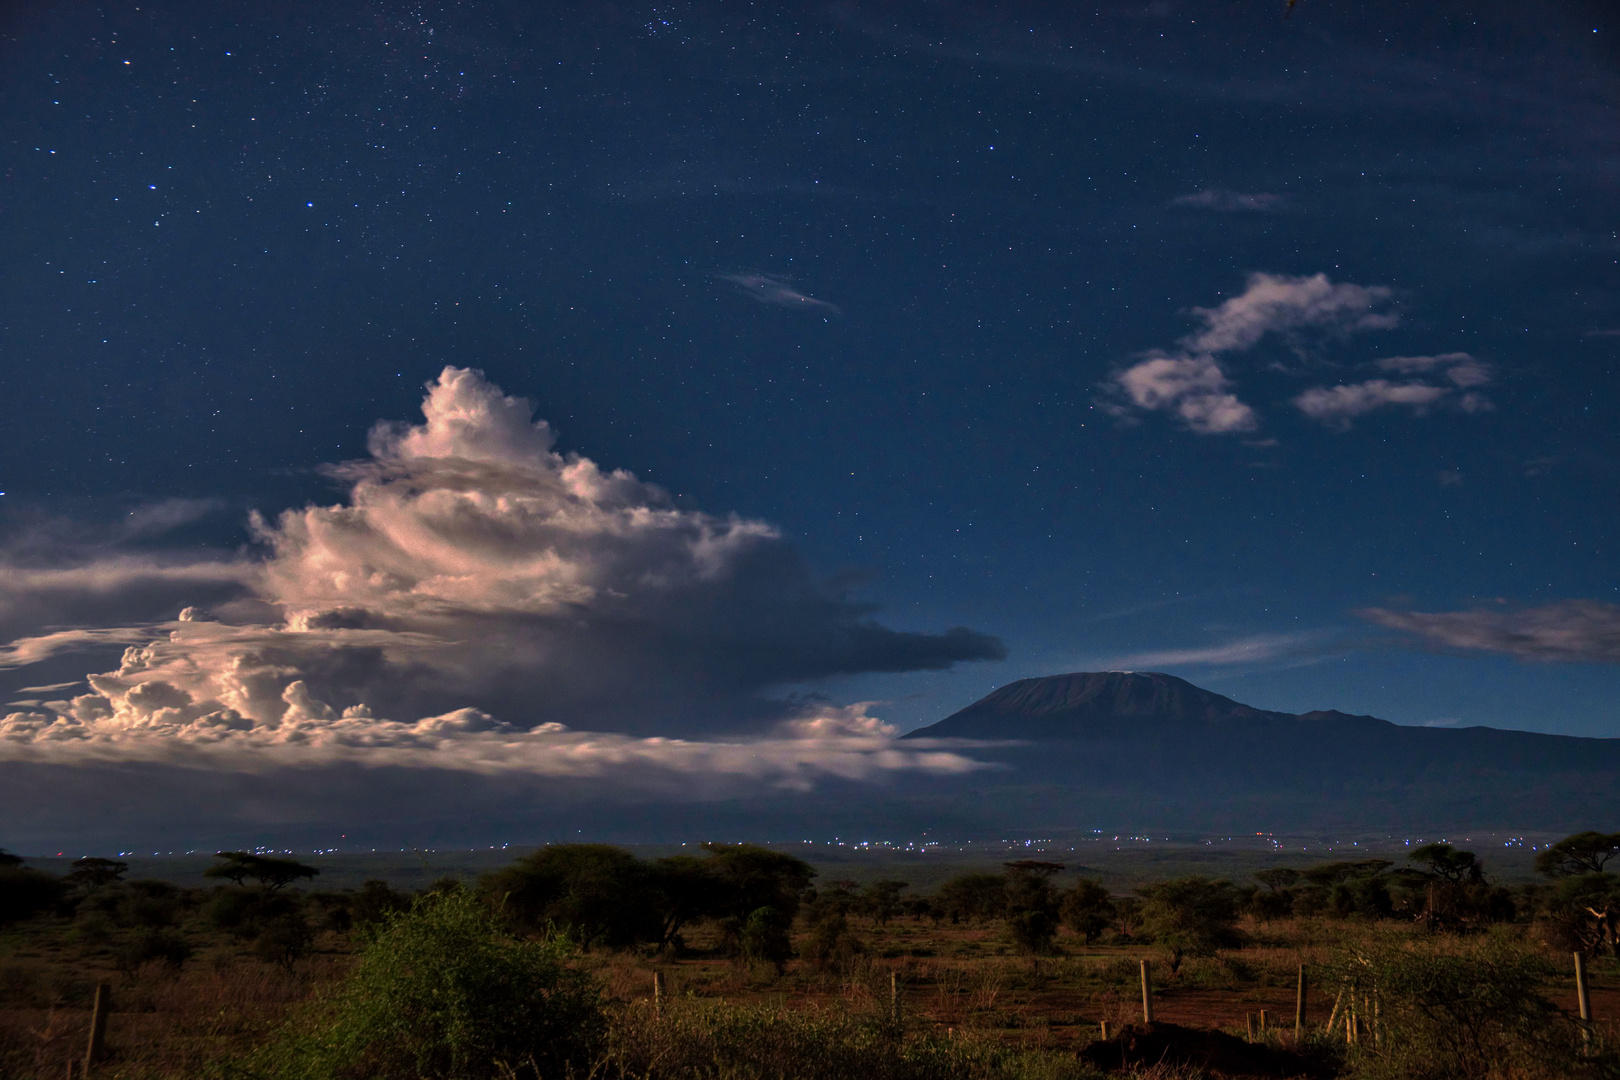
478 602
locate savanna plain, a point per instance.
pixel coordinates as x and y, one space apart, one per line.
740 961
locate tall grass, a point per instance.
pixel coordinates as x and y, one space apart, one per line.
696 1040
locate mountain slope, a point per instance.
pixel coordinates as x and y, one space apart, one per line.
1110 749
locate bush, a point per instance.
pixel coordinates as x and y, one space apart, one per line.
439 991
1444 1010
1032 931
284 940
829 943
764 938
24 892
153 944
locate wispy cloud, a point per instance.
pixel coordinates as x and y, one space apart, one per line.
1227 201
1571 631
778 292
1339 406
1253 649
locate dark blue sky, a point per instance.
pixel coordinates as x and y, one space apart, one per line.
877 274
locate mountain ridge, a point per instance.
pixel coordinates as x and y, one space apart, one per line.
1148 747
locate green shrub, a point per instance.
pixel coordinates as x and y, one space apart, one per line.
440 991
1441 1010
764 938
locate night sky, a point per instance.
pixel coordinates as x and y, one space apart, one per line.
885 353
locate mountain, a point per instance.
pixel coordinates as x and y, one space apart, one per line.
1124 749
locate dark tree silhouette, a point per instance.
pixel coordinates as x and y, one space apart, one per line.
1087 909
272 873
1582 853
1448 863
597 893
92 873
881 900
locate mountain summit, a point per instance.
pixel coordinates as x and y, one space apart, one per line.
1148 748
1089 702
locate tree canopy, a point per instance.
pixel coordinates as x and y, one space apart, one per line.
1583 853
272 873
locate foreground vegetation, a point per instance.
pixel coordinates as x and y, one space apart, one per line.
548 968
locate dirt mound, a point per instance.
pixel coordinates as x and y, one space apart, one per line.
1214 1051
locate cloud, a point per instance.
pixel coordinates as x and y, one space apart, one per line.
1191 382
481 602
1228 201
1276 303
1258 648
828 742
777 292
1193 387
1570 631
1338 406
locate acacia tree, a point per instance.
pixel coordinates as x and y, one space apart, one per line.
272 873
596 893
1190 916
93 873
1582 853
974 897
1087 909
1032 904
881 900
1448 863
1584 911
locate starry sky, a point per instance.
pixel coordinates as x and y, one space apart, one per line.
721 368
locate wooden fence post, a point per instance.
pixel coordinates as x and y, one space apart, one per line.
658 993
1147 994
894 996
1583 998
1265 1021
1299 1006
1105 1031
1251 1027
98 1026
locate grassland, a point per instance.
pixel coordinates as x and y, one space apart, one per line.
220 993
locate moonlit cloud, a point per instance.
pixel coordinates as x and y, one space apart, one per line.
483 603
1228 201
778 292
1277 303
1194 388
1571 631
1257 648
1338 406
1191 384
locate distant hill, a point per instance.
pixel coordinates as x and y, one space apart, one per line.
1126 748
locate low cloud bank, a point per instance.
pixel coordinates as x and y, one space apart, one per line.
479 602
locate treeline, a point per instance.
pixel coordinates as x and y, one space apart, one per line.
764 905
